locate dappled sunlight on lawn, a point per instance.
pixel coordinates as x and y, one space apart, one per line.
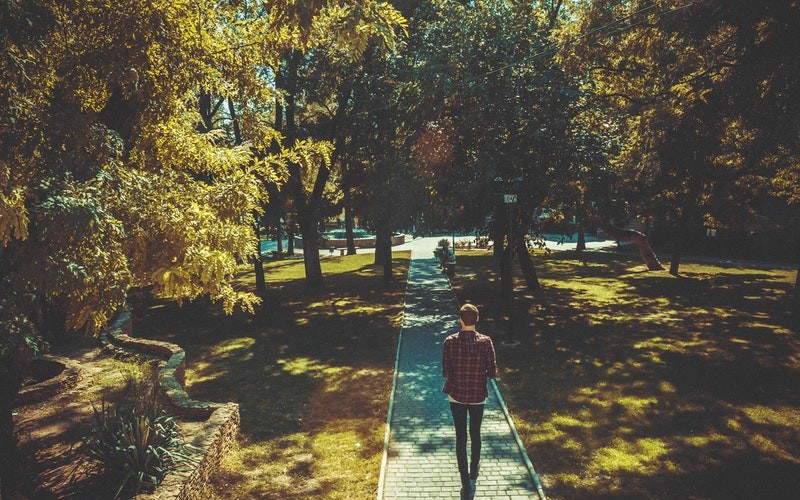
653 347
643 456
215 357
638 384
307 366
230 347
311 371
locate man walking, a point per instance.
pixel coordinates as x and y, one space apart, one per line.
468 361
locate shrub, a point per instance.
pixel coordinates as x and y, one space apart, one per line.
140 385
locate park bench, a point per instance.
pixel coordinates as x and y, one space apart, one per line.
450 264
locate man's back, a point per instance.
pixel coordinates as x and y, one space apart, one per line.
468 361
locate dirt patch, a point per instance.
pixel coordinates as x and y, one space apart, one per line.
50 431
50 434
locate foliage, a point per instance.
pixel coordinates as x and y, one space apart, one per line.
132 439
120 166
371 148
294 122
108 180
696 97
137 446
491 102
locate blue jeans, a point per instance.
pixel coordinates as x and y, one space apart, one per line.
460 412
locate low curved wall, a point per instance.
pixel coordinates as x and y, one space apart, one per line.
221 421
397 239
69 376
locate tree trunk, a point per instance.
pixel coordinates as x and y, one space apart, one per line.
290 239
383 247
649 257
279 234
348 220
502 248
378 258
528 268
10 460
208 111
304 204
237 133
310 234
581 238
675 262
505 270
498 231
119 114
552 14
258 264
261 285
796 301
387 268
680 236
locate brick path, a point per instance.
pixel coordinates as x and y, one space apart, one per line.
421 461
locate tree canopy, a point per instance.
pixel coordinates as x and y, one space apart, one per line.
120 167
698 96
140 140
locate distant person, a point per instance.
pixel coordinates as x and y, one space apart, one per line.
468 361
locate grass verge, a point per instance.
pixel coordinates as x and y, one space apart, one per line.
311 371
636 384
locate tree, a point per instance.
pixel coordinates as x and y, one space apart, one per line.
109 177
493 103
696 90
339 36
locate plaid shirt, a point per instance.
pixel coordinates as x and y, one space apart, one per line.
467 362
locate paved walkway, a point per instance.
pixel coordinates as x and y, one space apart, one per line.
421 462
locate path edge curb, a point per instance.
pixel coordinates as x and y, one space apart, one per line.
536 482
388 434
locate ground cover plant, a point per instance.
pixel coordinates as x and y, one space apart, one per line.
636 384
311 371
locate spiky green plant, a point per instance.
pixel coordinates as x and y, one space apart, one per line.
139 446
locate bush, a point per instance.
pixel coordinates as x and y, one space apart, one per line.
140 385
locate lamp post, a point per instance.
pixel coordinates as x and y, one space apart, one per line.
509 200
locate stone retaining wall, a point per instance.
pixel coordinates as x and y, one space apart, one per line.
217 437
44 390
219 430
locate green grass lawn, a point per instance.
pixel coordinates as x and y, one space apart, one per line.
311 371
625 384
636 384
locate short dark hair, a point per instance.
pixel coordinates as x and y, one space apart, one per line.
468 314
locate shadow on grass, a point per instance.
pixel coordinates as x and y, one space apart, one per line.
634 384
311 371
